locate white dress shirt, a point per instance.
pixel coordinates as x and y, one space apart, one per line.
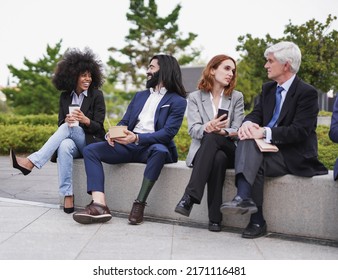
147 115
215 110
78 99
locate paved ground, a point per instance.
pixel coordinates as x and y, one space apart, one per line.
34 227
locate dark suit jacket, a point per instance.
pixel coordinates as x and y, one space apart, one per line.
333 134
168 119
93 107
295 134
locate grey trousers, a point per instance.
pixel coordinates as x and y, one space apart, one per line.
254 165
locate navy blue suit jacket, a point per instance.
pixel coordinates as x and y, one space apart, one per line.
168 119
333 134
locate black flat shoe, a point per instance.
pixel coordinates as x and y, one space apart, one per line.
24 171
68 210
185 205
239 206
254 230
214 226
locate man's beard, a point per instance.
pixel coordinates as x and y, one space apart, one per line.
153 81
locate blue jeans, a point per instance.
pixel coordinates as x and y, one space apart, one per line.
69 142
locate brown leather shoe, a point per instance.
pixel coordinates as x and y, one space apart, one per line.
93 213
136 213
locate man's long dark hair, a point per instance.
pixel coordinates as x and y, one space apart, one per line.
170 74
74 63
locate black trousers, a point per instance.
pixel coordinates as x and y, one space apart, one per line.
215 155
254 165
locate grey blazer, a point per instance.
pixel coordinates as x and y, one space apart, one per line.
200 112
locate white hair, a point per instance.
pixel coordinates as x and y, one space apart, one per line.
286 52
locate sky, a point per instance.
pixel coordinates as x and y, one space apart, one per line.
27 27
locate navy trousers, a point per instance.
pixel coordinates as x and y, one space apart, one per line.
154 156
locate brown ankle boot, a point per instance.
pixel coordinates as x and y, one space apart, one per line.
136 213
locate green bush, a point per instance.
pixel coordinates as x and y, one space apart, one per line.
27 134
327 150
325 114
24 138
182 141
9 119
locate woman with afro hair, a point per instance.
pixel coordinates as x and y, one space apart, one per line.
78 76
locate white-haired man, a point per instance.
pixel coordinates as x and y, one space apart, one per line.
285 115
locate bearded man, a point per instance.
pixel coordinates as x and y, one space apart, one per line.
153 118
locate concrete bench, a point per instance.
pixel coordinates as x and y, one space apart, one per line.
306 207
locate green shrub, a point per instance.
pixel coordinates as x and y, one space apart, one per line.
327 150
27 134
9 119
325 114
24 138
182 141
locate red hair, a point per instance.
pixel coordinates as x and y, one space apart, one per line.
207 80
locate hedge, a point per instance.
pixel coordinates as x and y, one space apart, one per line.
27 134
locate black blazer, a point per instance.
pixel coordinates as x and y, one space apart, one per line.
93 107
295 134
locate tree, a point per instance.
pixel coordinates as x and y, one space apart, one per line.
319 57
35 92
251 73
150 35
319 49
116 100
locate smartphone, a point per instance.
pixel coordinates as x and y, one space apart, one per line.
222 112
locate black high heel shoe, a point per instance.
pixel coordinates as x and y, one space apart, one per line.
68 210
24 171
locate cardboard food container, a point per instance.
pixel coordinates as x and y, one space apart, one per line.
117 131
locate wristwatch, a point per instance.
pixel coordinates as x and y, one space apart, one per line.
264 132
137 140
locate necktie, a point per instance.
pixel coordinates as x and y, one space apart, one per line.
277 107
